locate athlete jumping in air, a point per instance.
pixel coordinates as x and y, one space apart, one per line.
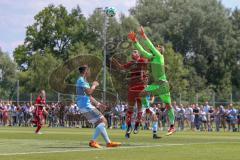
91 113
138 81
160 86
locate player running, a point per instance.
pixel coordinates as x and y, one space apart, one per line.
91 113
160 86
40 104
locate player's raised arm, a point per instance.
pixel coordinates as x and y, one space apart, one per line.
117 64
144 53
148 42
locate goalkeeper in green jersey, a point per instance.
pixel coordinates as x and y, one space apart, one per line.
160 86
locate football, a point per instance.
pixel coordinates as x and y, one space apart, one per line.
110 11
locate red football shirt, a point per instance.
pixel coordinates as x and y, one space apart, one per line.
40 101
138 71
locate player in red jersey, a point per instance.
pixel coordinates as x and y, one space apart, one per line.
40 104
138 81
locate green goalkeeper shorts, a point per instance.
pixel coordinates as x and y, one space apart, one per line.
160 89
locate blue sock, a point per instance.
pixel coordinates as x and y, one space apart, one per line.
97 132
101 129
155 126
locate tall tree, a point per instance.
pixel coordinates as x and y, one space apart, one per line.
37 76
54 30
235 58
8 77
199 30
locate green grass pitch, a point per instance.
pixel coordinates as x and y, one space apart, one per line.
72 144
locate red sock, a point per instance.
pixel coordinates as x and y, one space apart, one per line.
129 118
39 126
139 117
38 129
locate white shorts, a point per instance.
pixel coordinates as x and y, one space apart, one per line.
91 113
149 110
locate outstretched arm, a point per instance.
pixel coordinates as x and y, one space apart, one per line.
121 66
144 53
148 42
117 64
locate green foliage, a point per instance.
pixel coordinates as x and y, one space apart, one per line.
8 83
199 30
201 38
235 49
54 30
36 77
177 73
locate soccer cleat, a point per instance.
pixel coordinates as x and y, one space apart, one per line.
136 130
129 129
113 144
127 135
38 132
171 130
94 144
155 136
128 132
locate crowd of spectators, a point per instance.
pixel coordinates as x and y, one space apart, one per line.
195 117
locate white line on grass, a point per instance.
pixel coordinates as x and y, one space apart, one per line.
88 149
102 149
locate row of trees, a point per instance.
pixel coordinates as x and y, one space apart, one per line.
201 37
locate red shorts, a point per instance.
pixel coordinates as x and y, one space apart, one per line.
134 94
39 118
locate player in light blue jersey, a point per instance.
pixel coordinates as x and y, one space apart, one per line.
86 104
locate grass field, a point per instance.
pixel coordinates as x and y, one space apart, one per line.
72 144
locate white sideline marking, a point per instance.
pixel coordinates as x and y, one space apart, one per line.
89 149
102 149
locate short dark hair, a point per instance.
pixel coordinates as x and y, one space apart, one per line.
82 69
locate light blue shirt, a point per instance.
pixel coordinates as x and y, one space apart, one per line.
83 100
206 109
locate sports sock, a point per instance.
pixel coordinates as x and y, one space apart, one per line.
129 118
139 117
96 134
104 133
101 129
155 127
171 115
38 128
